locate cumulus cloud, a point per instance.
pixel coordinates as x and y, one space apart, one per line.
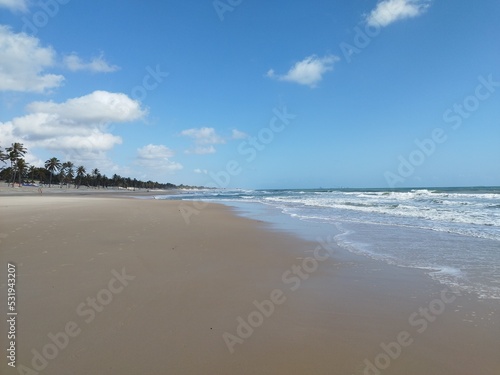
78 128
203 136
307 72
389 11
151 152
204 139
157 158
97 65
97 107
14 5
23 63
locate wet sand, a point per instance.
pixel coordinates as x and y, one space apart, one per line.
125 286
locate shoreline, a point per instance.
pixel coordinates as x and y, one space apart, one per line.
191 286
55 190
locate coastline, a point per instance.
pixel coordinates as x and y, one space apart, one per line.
9 191
189 285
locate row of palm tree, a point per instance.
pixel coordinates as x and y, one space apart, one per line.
64 173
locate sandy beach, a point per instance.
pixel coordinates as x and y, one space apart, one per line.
70 190
106 285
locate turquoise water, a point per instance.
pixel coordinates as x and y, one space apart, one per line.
451 233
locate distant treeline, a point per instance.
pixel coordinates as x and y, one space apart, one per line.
14 169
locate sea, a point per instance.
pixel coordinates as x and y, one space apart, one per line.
453 234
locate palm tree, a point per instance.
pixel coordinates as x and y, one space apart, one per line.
95 175
67 171
41 174
3 156
80 173
62 177
52 165
115 179
70 172
21 167
15 151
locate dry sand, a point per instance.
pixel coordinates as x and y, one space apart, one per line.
125 286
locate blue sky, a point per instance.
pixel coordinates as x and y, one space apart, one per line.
257 94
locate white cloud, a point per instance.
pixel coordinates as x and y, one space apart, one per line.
154 152
204 139
32 160
78 128
97 107
23 62
200 171
236 134
97 65
14 5
203 136
202 150
307 72
389 11
157 158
